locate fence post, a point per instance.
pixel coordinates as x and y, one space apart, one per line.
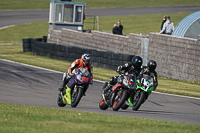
97 22
144 50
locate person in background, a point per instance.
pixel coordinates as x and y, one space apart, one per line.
164 20
120 27
168 27
115 29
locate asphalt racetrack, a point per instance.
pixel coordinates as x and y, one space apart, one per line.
27 85
14 17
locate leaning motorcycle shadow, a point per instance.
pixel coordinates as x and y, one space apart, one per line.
151 107
151 112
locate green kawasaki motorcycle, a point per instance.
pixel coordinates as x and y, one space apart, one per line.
140 95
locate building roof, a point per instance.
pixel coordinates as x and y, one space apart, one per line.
67 2
185 24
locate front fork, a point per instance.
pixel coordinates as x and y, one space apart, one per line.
110 100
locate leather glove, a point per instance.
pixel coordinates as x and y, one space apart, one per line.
71 75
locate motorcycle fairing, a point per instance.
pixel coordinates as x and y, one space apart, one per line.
115 87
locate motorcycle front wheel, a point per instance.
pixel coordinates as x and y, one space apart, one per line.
138 99
119 99
76 96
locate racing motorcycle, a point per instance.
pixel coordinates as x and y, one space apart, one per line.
119 93
81 79
142 92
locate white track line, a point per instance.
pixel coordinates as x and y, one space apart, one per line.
6 27
94 79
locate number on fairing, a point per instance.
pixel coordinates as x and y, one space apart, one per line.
146 84
84 79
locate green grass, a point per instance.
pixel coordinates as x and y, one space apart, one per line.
44 4
15 53
17 33
30 119
137 23
132 24
24 4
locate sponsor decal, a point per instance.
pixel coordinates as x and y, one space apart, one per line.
115 87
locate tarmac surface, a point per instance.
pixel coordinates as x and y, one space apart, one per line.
27 85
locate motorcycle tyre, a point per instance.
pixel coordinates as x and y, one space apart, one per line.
140 101
103 106
60 103
124 106
123 99
78 98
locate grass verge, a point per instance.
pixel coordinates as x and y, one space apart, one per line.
23 119
44 4
15 53
17 33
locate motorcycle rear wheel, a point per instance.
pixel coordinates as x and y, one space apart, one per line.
76 96
60 102
102 104
124 106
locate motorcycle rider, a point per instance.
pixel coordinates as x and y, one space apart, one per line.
83 62
133 67
150 70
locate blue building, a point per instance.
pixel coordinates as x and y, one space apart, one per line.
66 14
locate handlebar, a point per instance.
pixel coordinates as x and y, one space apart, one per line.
119 72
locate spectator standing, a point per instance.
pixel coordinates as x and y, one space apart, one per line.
164 20
168 27
115 29
120 27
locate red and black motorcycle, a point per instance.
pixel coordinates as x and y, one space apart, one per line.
119 93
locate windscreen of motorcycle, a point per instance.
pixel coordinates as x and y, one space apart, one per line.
129 80
84 71
148 78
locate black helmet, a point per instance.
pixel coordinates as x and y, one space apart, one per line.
152 65
137 62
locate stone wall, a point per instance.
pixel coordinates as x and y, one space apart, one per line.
177 57
101 41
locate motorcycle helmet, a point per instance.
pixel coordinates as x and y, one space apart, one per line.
137 62
86 59
151 65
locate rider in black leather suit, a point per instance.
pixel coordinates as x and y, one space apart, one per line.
133 67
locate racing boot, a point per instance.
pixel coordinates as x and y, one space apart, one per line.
106 91
106 87
67 97
65 81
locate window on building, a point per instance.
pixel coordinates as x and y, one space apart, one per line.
68 13
58 15
78 14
